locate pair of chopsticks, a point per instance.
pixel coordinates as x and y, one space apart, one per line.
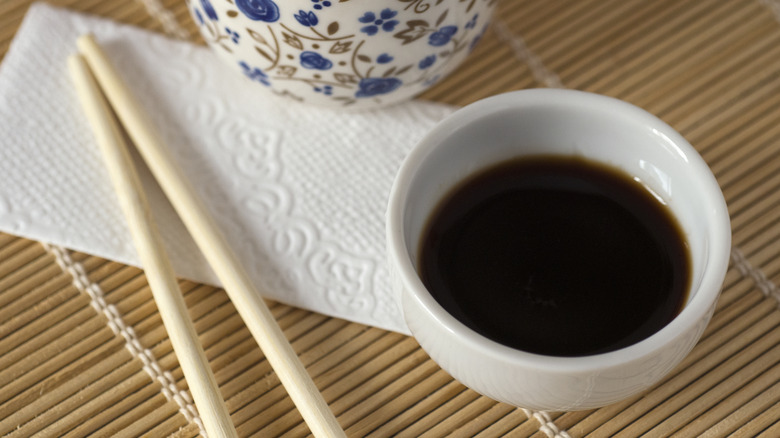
95 76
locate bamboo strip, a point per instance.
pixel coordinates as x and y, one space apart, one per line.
718 389
373 370
24 366
764 247
19 280
29 386
583 29
726 77
529 428
669 402
73 410
450 407
696 60
758 181
424 404
765 424
648 45
602 51
727 129
147 421
20 338
66 379
751 204
231 323
531 11
32 340
368 425
13 247
137 415
167 427
753 398
565 18
18 265
473 407
134 390
55 292
358 359
115 278
25 308
498 419
705 357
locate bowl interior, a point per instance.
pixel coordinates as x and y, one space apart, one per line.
580 124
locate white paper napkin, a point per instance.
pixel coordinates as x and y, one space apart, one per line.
300 192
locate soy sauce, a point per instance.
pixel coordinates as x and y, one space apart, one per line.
556 256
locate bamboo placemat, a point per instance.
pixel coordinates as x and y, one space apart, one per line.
83 350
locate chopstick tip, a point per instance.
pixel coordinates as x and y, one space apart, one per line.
76 63
84 41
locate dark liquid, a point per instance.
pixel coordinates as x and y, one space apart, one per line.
556 256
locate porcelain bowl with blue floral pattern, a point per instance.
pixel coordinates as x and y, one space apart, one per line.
343 53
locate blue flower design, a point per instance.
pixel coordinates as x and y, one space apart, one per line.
315 61
473 22
430 81
255 74
326 90
307 18
384 21
318 5
199 16
477 38
374 86
234 36
427 62
259 10
384 58
208 9
442 36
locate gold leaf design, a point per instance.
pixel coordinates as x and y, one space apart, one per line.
345 100
333 28
292 40
346 78
286 70
415 29
442 17
264 54
403 70
341 47
256 36
364 58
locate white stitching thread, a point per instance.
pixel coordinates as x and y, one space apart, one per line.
165 17
765 285
524 54
546 424
97 299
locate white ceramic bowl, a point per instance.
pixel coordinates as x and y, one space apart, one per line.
563 122
344 53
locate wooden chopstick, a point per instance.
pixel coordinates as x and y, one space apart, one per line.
165 289
198 220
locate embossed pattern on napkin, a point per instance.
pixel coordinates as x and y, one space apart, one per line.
300 192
